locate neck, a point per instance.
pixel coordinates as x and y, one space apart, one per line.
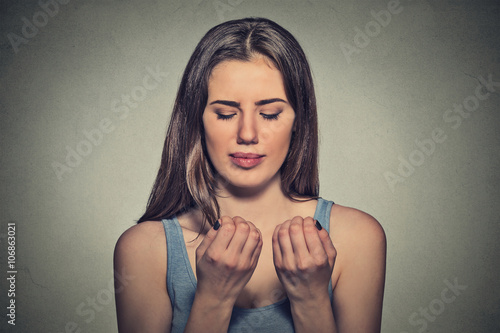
260 206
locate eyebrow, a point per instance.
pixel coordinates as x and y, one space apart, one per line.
258 103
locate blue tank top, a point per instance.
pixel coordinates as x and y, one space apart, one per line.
181 286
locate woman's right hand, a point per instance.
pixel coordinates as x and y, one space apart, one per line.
226 259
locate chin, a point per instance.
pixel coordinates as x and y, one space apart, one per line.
243 184
250 185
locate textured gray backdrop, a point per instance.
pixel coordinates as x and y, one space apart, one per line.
408 97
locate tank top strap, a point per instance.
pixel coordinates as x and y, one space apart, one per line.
322 213
181 282
177 258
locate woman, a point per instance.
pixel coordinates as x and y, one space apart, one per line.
243 243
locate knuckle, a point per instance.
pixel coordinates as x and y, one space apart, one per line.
212 256
310 228
283 232
238 219
321 263
254 234
289 266
230 262
228 228
244 266
230 265
321 260
243 227
278 263
309 220
303 266
226 219
286 267
295 228
252 226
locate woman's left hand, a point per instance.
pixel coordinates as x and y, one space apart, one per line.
304 257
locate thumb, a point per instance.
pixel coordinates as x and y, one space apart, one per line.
207 241
328 245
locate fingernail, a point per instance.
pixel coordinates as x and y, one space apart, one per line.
216 225
318 225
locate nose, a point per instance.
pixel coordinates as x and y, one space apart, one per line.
247 130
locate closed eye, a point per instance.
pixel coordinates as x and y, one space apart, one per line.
273 116
225 116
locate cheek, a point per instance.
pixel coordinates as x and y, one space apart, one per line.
214 141
279 132
208 129
210 143
277 135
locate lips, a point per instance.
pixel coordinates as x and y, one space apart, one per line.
246 160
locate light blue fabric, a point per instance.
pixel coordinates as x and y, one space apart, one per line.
181 286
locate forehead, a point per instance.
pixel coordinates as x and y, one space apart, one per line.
256 77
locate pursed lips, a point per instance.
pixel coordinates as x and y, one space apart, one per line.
245 155
246 160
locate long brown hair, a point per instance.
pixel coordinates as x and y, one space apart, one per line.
186 177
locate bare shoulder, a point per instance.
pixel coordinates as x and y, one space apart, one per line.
359 271
143 244
348 220
148 235
140 263
352 228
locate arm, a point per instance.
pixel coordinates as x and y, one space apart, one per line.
225 262
304 257
140 264
358 294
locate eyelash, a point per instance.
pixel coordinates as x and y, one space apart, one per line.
269 117
274 116
225 117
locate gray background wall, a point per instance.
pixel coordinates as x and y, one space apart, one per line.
382 92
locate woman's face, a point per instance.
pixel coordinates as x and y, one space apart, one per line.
248 123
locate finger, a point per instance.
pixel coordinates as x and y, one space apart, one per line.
287 255
223 235
296 232
207 240
253 239
277 257
257 251
312 238
328 245
241 232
